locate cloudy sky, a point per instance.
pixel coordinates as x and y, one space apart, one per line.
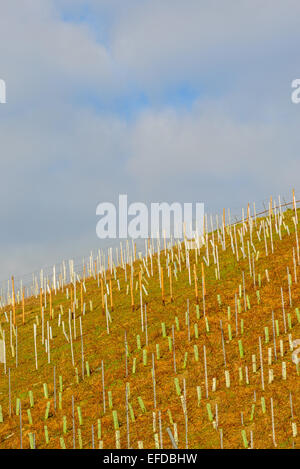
163 100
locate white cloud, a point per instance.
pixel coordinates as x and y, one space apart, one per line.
211 144
43 57
165 41
60 158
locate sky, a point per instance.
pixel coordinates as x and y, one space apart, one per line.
163 100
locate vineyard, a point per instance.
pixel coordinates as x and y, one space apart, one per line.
190 345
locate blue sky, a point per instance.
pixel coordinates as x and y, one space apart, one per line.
164 100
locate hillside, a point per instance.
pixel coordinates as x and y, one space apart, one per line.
200 332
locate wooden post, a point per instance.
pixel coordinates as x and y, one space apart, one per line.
141 300
111 295
140 282
121 255
23 305
13 299
81 297
102 294
196 284
203 279
171 286
131 293
41 300
295 208
50 302
162 286
294 198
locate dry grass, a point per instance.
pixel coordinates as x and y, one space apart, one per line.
98 346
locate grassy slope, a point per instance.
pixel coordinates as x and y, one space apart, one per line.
98 346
